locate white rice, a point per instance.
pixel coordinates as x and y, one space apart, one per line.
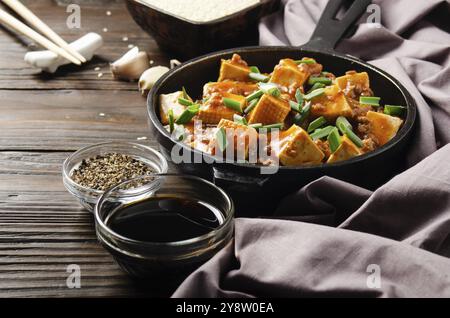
201 10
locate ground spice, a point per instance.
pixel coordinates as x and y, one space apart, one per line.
105 171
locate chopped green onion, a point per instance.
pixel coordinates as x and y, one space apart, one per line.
171 120
301 117
315 93
369 100
272 126
305 61
254 95
322 132
185 94
346 128
256 126
184 101
188 114
270 89
316 86
334 139
251 106
343 124
394 110
325 74
299 96
258 77
319 122
179 132
221 137
324 80
353 137
233 104
254 69
295 106
240 120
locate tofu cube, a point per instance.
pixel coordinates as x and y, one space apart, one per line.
168 102
239 138
331 104
269 110
227 86
353 83
346 150
383 127
234 69
288 75
214 110
297 148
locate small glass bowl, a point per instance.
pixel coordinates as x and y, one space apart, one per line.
88 197
164 265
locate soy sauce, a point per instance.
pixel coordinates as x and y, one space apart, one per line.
165 219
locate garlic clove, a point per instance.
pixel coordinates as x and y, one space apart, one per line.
131 65
150 77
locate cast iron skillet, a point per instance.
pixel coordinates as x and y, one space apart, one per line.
256 194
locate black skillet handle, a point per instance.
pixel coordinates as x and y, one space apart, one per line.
329 30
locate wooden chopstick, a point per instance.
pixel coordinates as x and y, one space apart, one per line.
17 25
33 20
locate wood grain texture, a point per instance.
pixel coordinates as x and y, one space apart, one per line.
43 118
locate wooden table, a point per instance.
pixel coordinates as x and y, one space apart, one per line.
43 118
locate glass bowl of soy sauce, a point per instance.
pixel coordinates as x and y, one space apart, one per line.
163 230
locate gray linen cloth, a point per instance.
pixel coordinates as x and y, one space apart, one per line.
393 242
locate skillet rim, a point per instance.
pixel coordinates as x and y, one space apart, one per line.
404 132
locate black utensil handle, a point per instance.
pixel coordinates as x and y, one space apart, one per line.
329 30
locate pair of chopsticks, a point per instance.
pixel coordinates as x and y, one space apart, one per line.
58 46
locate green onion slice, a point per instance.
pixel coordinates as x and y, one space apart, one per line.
346 128
334 139
394 110
254 95
270 89
319 122
314 93
256 126
184 101
343 124
299 96
272 126
240 120
300 118
369 100
251 106
185 94
322 132
171 120
295 106
323 80
258 77
221 137
233 104
254 69
306 61
316 86
188 114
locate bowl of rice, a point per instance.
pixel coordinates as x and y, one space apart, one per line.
190 28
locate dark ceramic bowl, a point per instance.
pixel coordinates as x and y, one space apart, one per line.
189 39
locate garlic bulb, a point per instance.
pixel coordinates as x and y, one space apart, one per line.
131 65
150 77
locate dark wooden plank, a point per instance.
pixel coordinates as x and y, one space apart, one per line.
68 120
